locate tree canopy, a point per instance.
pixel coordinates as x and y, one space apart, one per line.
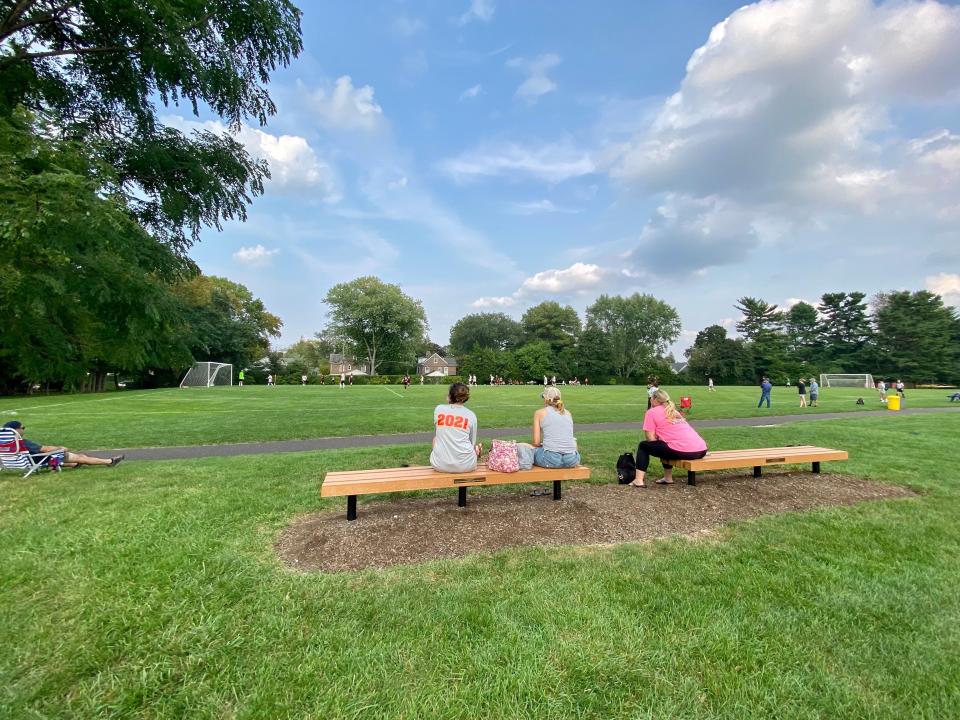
636 329
558 325
485 330
378 321
90 69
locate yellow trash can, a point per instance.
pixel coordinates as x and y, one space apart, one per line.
893 402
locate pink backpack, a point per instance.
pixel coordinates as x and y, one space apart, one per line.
503 457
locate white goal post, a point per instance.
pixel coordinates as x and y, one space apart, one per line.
857 380
208 374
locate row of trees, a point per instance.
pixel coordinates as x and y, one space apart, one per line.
902 333
623 337
99 202
908 334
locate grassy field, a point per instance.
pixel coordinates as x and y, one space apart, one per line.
220 415
152 591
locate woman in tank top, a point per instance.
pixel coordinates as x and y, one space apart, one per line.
553 440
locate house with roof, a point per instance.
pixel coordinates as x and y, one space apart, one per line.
341 364
436 366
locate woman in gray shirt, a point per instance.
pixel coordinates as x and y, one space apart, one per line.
455 447
556 447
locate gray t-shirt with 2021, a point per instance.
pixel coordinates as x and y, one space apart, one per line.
456 437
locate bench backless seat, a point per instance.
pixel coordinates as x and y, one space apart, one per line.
759 458
365 482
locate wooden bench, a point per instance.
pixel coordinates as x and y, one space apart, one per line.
365 482
759 458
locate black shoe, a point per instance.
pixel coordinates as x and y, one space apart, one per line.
116 460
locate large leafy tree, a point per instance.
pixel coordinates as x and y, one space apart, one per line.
802 328
845 330
378 321
918 337
761 325
556 324
485 330
226 323
91 70
716 356
85 290
636 329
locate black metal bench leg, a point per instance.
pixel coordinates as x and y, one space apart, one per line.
691 477
351 507
461 497
816 468
756 471
556 489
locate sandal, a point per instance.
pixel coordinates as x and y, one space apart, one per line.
634 485
664 482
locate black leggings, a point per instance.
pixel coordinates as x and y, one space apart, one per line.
658 448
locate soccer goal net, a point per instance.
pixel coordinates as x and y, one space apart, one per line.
857 380
208 374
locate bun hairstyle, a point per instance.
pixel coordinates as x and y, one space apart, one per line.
552 397
669 409
458 393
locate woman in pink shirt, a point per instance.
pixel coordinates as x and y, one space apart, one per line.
669 437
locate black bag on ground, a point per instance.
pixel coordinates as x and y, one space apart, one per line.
626 469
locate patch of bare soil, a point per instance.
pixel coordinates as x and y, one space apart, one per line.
407 529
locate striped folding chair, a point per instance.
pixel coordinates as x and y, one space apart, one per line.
15 456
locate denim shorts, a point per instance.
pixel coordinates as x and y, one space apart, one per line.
551 459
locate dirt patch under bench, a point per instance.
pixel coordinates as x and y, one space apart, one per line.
405 529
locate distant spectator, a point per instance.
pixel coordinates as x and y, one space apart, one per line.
269 380
765 388
900 388
814 392
303 379
710 386
802 390
882 389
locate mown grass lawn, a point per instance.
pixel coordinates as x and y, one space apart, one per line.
152 591
223 415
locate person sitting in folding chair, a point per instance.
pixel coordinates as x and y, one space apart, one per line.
50 455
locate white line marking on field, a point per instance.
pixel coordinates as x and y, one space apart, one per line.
393 391
75 402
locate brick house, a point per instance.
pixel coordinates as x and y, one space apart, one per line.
346 365
436 366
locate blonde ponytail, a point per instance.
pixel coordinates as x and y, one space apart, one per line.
669 409
552 396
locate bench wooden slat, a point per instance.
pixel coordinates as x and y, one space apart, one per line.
724 460
338 484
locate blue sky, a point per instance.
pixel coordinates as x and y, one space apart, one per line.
488 155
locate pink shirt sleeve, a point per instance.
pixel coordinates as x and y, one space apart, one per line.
654 417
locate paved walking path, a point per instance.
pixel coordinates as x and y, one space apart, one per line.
274 446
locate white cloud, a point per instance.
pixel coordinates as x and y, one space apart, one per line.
577 277
537 83
552 163
789 111
538 207
494 302
471 92
407 27
294 165
346 107
482 10
946 285
257 256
